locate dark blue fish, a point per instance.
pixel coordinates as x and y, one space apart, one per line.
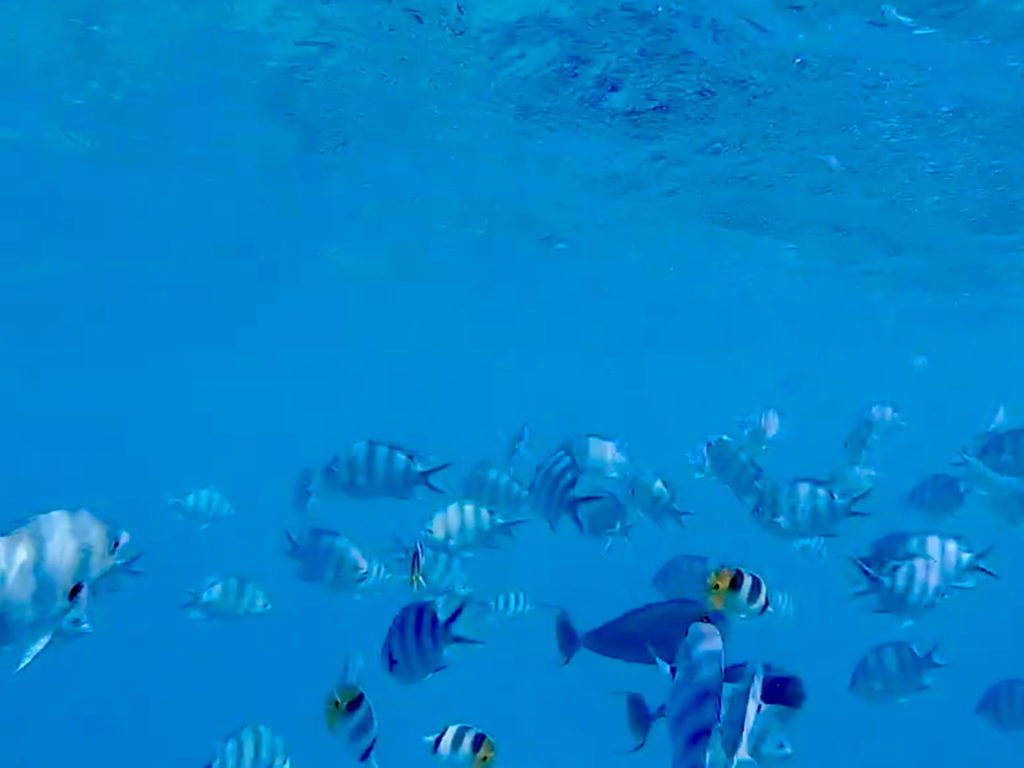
1003 705
417 640
939 494
656 628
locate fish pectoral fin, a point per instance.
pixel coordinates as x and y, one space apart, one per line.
34 650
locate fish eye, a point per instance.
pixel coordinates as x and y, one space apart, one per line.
114 545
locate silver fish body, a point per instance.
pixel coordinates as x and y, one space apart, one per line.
202 506
906 588
892 672
693 710
251 746
372 469
803 509
729 463
463 526
957 563
329 558
494 487
227 598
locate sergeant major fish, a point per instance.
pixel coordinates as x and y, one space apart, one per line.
226 598
1002 705
417 641
202 506
552 491
251 746
370 469
893 672
493 487
693 710
463 526
327 557
655 500
723 459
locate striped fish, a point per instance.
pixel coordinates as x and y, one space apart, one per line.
743 593
1002 705
350 715
251 746
371 469
463 526
804 509
905 588
957 563
494 487
462 745
553 489
329 558
377 575
417 641
693 709
226 598
202 506
893 672
507 605
723 459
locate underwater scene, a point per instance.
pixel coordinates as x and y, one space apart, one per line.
526 383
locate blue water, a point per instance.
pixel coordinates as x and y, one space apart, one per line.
224 257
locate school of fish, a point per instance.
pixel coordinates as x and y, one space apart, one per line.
716 714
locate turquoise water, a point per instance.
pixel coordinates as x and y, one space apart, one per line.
226 256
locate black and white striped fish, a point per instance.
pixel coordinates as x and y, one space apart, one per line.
893 672
251 746
371 469
508 605
743 593
202 506
905 588
462 745
725 460
327 557
804 509
958 564
494 487
463 526
417 641
226 598
350 715
553 489
693 710
1002 705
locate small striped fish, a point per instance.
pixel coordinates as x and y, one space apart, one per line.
350 715
371 469
893 672
723 459
743 593
226 598
905 588
804 509
1002 705
693 710
462 745
417 641
494 487
327 557
202 506
507 605
251 746
463 526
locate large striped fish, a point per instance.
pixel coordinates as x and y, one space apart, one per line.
693 710
371 469
417 641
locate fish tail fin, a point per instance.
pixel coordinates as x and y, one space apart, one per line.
639 718
427 476
566 636
508 527
449 626
978 563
